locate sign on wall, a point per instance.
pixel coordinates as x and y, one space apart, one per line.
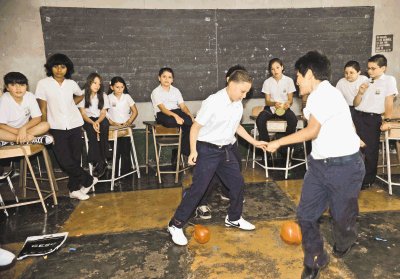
384 43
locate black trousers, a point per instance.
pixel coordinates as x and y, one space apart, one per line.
333 183
98 150
368 129
212 160
124 153
170 122
68 150
267 114
216 181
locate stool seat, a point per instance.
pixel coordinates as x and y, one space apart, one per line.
26 151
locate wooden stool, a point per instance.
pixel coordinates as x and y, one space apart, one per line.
26 151
163 136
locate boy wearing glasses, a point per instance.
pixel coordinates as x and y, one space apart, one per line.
374 99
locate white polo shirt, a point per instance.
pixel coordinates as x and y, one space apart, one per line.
220 118
17 115
170 99
373 99
350 89
62 112
120 109
278 90
337 136
93 109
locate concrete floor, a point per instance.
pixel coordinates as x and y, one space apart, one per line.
122 234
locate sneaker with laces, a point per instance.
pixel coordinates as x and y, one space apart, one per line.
4 143
240 224
6 258
178 237
86 190
78 195
46 139
203 212
5 171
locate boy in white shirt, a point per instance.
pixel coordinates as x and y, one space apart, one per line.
20 116
336 169
212 145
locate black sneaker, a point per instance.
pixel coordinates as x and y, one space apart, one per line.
203 212
5 172
100 169
340 254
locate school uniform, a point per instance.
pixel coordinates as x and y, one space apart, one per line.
17 115
219 118
350 89
334 176
98 150
368 120
279 91
65 123
120 112
171 100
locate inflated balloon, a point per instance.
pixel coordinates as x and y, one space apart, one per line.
291 233
201 234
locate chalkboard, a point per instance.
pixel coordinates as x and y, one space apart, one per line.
200 45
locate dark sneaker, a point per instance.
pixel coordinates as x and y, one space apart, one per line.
203 212
314 272
5 172
100 169
340 254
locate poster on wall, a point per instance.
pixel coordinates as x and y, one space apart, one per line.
384 43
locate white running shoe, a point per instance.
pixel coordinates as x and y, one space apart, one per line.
6 257
86 190
46 139
178 237
78 195
240 224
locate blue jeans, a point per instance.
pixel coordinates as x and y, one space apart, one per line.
334 183
212 160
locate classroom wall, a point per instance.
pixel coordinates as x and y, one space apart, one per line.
22 45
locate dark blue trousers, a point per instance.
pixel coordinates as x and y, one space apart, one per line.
334 183
211 160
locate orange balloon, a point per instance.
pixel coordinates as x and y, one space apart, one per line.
291 233
201 234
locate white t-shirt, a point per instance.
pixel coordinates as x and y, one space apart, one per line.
171 100
62 112
220 118
337 136
17 115
350 89
278 90
120 109
373 99
93 109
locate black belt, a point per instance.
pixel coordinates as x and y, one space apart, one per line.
341 159
368 113
214 145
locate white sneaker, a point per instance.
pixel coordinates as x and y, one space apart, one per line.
78 195
6 257
178 237
240 224
86 190
46 139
